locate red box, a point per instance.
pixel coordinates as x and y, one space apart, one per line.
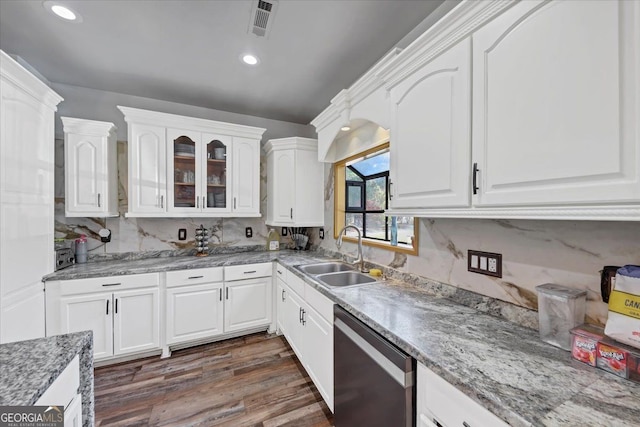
613 357
585 340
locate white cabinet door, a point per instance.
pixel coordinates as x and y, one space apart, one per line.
90 168
247 304
85 173
136 321
318 352
214 166
194 312
183 171
281 306
147 169
294 332
282 181
555 104
430 139
245 161
90 312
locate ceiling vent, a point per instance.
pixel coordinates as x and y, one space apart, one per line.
262 15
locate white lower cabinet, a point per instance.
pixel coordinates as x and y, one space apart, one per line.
247 304
306 321
123 321
200 305
440 404
64 392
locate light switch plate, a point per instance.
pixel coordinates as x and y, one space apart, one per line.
488 263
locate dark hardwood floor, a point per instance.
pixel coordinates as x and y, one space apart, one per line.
250 381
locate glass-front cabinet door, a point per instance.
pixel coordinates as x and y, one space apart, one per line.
216 158
183 174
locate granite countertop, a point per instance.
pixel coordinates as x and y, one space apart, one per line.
28 368
501 365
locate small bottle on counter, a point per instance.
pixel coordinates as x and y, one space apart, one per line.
394 231
273 240
81 249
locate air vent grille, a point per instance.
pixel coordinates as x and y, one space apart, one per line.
262 14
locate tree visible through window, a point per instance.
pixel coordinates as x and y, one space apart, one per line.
367 183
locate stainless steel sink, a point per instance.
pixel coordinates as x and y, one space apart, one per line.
344 278
325 267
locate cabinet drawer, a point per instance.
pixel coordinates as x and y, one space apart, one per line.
281 272
108 283
64 388
319 302
248 271
449 406
194 276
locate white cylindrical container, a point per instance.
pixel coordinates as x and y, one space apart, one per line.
560 309
81 249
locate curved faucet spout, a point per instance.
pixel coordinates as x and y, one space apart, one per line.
360 259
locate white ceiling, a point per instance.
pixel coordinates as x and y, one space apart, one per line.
188 51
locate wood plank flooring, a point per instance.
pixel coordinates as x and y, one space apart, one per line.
250 381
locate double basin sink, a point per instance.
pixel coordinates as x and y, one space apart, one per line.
336 274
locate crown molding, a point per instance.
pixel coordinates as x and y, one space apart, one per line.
87 127
15 73
296 143
458 24
137 115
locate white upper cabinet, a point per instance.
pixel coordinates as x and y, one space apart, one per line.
187 167
90 168
246 176
295 179
430 135
147 169
555 104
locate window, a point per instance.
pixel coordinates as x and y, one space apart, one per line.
361 184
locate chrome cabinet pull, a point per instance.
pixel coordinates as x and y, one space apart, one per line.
304 322
291 214
279 272
162 202
227 296
249 272
234 203
107 307
198 202
475 178
220 294
300 315
390 193
282 295
99 200
116 311
111 284
196 277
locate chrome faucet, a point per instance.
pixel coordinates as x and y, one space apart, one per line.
360 259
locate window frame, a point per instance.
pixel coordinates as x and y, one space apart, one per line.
340 205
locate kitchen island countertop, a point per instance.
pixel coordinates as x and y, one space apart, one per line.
28 368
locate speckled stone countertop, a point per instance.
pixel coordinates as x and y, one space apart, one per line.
501 365
28 368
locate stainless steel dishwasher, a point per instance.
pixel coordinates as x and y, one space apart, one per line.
373 379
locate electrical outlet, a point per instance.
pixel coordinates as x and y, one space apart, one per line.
182 234
284 231
248 232
488 263
321 233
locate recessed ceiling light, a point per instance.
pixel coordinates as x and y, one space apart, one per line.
345 128
62 11
250 59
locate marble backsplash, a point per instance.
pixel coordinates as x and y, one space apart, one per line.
131 237
534 252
